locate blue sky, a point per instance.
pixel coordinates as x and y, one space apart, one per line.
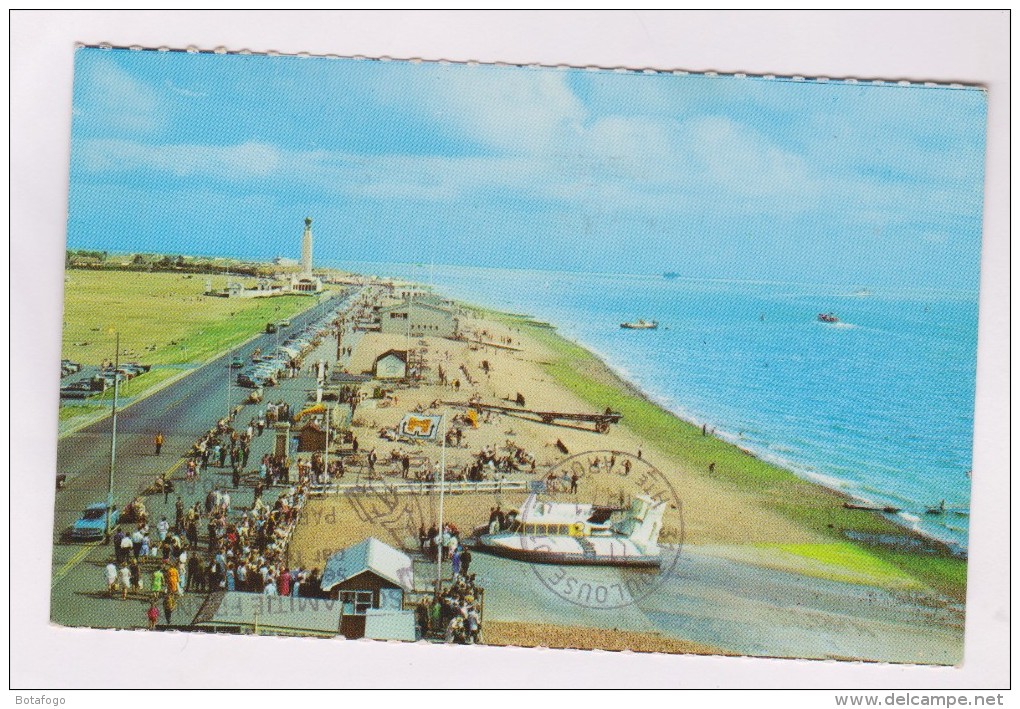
713 177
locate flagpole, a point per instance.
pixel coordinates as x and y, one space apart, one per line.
113 437
326 461
442 484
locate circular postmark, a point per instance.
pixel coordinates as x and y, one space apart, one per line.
611 533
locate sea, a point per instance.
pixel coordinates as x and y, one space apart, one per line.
879 405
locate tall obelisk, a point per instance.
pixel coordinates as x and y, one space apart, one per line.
306 248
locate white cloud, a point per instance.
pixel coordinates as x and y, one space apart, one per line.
190 93
235 162
513 111
114 99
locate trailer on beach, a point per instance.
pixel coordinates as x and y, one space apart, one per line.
600 421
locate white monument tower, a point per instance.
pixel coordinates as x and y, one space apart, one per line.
306 248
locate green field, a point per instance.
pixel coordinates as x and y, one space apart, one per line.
814 506
163 318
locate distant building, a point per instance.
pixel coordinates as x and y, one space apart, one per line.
306 284
391 364
367 577
305 281
306 248
426 320
426 297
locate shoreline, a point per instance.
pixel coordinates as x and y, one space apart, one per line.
905 526
836 485
816 506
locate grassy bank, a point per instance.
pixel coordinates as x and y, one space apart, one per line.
70 413
163 318
817 508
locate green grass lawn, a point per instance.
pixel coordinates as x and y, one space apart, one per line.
163 318
68 413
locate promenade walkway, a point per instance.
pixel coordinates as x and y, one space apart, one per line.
78 589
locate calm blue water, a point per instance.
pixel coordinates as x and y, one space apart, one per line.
880 405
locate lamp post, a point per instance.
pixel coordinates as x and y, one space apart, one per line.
407 358
325 461
442 485
113 437
230 374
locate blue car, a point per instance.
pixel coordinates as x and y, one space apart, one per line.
92 523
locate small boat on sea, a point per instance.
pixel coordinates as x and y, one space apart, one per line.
941 509
828 318
670 275
580 534
640 325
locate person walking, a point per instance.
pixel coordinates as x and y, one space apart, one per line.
136 575
158 440
127 549
455 558
169 605
173 580
152 615
157 582
111 578
125 580
162 528
118 537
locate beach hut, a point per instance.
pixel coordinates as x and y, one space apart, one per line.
311 438
391 364
367 576
426 320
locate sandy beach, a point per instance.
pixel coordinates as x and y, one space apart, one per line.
740 512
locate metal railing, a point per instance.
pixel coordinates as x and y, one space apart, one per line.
416 487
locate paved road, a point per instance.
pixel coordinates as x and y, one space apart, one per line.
183 411
734 606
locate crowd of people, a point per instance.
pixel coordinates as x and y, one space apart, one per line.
249 553
453 614
244 548
432 543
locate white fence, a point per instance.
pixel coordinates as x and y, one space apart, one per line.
412 487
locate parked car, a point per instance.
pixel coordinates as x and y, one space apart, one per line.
67 393
92 523
133 369
237 363
250 380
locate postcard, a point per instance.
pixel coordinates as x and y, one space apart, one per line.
476 354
